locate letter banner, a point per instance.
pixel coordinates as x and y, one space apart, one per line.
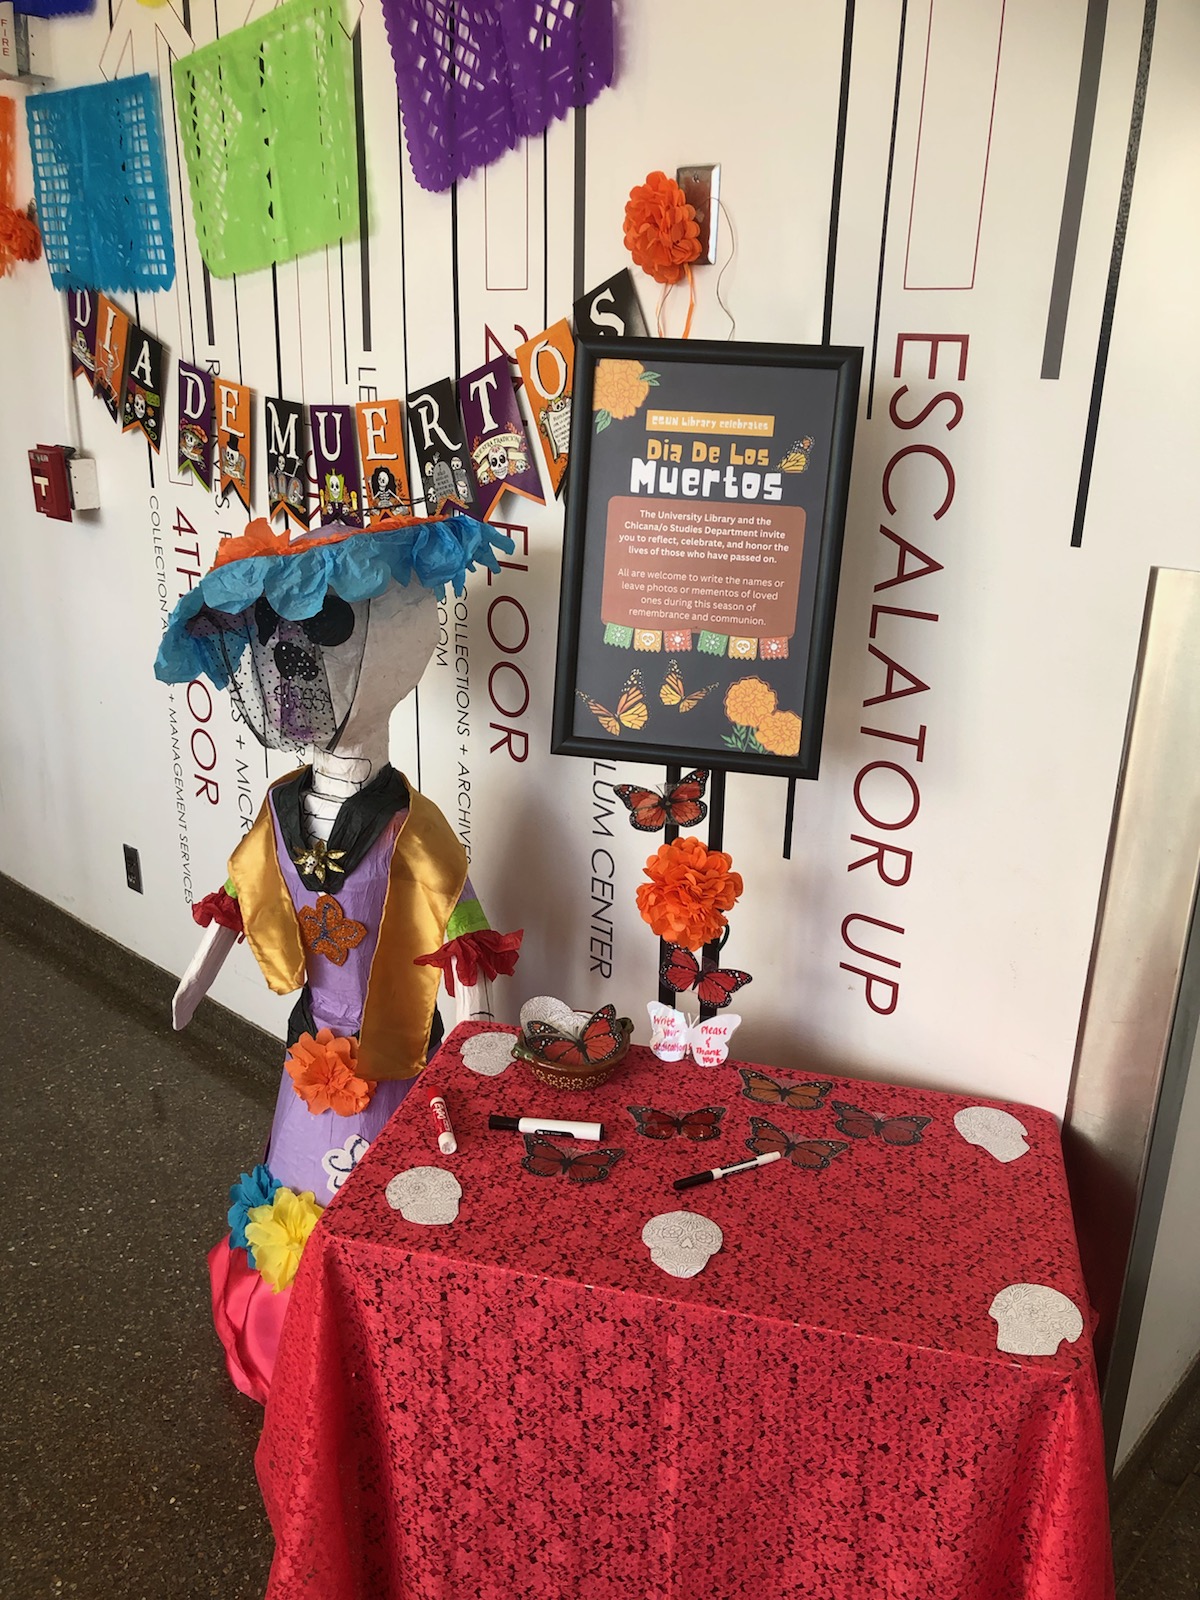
142 405
233 441
441 450
381 449
195 395
335 465
112 336
611 309
547 364
501 455
287 494
81 314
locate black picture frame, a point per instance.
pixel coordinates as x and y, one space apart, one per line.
810 392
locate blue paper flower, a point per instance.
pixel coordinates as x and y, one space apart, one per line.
252 1189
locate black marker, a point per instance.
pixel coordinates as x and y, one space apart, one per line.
723 1172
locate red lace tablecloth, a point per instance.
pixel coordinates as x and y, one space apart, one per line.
521 1404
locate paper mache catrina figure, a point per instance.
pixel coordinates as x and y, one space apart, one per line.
350 887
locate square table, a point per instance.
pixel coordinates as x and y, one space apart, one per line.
523 1404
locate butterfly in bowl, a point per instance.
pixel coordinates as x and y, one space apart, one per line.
814 1154
631 710
698 1126
546 1160
795 1096
680 804
714 986
892 1130
602 1036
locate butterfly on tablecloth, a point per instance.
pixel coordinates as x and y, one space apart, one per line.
714 986
631 710
599 1039
680 804
673 693
326 930
813 1154
674 1035
892 1130
546 1160
795 1096
699 1126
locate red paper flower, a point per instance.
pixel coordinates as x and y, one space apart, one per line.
220 907
690 886
20 239
323 1074
493 954
661 232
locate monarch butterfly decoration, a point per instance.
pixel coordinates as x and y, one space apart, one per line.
714 986
680 804
765 1091
814 1154
602 1036
673 693
546 1160
698 1126
892 1130
631 711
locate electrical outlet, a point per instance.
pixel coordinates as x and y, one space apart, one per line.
133 869
702 189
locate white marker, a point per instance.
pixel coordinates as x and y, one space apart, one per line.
447 1143
723 1172
574 1130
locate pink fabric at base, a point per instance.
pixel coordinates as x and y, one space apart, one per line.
248 1316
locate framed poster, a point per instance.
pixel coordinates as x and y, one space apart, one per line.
706 505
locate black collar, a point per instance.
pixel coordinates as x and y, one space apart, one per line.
323 868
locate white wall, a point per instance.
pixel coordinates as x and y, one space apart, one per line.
1029 663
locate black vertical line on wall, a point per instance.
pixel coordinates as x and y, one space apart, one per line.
1091 60
454 280
580 198
1114 269
183 190
545 234
839 159
835 207
208 305
666 994
278 342
345 330
887 204
187 16
364 198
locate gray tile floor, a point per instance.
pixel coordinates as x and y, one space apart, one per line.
125 1454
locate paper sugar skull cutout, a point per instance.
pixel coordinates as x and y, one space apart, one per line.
1032 1320
997 1132
428 1195
680 1242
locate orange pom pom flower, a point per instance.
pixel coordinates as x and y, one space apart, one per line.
690 886
661 232
323 1074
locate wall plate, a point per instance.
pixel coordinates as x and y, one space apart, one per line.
702 188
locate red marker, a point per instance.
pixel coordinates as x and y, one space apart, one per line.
447 1143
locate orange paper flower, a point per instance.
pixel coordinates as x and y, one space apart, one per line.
19 235
323 1075
690 886
661 232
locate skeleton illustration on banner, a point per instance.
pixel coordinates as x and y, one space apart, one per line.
381 447
195 402
141 407
112 337
81 313
500 455
350 887
547 364
287 494
335 464
233 440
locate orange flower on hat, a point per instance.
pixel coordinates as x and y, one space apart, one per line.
690 886
323 1074
661 232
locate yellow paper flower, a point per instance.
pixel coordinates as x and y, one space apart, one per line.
277 1234
780 733
749 701
620 388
